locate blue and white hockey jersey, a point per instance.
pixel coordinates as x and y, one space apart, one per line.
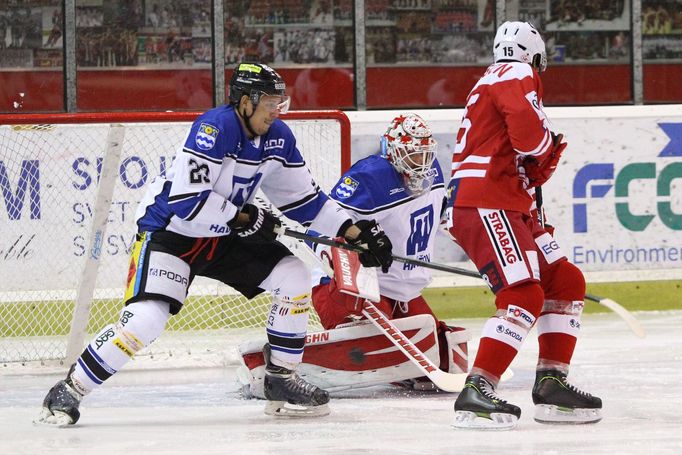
219 169
373 189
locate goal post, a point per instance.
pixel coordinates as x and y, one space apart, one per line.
69 185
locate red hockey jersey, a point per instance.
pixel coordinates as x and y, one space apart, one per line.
503 123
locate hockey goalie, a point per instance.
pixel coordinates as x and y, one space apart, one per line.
402 188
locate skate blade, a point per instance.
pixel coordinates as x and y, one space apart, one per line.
467 420
284 409
551 414
57 419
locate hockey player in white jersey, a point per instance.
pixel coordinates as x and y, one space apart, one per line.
198 219
402 187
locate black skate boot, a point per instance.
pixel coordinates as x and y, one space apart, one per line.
289 395
557 401
478 407
60 406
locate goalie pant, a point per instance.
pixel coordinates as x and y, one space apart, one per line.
336 308
357 355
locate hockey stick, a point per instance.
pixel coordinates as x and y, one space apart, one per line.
448 382
617 308
612 305
358 249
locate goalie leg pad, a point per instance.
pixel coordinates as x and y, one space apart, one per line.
348 357
456 349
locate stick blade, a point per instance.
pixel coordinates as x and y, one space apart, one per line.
629 319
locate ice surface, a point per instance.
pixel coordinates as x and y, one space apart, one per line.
200 412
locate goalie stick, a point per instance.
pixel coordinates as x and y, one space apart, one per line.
448 382
612 305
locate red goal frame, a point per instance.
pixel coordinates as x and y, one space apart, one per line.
188 116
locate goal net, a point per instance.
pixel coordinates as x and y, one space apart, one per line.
69 185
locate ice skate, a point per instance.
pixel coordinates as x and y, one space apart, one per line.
478 407
289 395
60 406
556 401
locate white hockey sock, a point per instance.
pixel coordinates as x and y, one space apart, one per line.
289 282
140 324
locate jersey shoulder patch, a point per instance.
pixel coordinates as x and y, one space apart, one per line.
206 137
346 187
367 184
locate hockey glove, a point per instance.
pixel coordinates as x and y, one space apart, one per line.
372 237
538 173
260 227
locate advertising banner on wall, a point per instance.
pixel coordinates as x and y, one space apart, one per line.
616 197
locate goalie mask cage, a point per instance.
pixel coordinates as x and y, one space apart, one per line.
70 184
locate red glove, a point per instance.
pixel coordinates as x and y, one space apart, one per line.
538 173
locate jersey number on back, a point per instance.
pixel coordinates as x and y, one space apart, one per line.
465 126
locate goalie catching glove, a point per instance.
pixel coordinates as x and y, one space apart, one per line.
537 172
380 249
261 224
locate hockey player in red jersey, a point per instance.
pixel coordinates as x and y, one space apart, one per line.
505 149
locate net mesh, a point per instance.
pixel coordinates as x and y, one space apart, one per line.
49 176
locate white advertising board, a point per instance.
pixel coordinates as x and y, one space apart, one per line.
616 198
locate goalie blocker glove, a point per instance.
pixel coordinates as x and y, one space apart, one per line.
373 237
262 225
538 173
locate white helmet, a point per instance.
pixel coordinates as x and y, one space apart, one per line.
520 42
408 144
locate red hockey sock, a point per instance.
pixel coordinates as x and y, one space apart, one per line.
557 347
494 356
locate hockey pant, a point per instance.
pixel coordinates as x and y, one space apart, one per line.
533 282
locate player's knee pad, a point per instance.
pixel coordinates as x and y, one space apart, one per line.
528 297
564 281
561 316
289 277
517 309
142 322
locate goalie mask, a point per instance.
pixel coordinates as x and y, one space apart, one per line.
520 42
409 146
256 80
